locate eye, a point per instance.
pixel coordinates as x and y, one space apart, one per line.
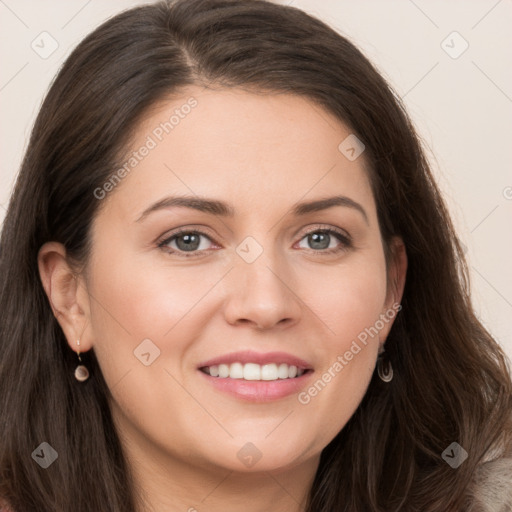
185 241
324 240
191 243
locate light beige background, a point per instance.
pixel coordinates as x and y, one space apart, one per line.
462 106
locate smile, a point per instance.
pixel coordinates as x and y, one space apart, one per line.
257 376
254 371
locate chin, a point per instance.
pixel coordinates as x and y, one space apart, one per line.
255 456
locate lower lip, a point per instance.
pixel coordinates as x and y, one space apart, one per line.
259 390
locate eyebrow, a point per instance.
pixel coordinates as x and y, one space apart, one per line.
216 207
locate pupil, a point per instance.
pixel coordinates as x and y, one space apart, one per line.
191 242
319 240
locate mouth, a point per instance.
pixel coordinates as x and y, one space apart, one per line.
257 377
254 371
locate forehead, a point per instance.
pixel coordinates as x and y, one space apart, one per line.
256 150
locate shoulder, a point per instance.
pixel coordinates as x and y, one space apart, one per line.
491 487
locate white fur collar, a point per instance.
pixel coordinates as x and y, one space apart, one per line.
491 488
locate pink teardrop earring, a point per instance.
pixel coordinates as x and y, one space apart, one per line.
81 371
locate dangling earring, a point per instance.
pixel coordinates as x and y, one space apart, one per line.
81 371
384 368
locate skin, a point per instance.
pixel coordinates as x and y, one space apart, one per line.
261 154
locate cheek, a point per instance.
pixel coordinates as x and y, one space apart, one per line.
348 298
145 300
132 302
138 298
350 309
137 302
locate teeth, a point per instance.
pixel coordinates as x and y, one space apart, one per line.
235 371
253 371
270 372
282 371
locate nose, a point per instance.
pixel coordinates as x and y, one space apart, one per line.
263 293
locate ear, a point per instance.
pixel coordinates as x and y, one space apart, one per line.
397 270
67 294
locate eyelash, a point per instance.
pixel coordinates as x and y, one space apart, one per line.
346 242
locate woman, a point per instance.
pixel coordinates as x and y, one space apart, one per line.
230 281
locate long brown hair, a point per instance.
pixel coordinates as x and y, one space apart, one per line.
451 378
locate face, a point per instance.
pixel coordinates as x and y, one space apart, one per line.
239 333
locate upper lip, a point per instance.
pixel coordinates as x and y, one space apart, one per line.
249 356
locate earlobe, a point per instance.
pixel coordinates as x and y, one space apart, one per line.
62 288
